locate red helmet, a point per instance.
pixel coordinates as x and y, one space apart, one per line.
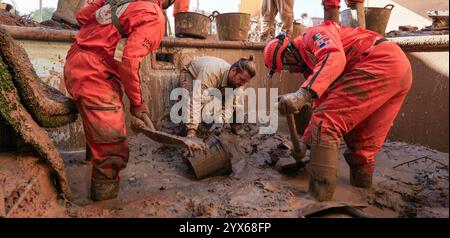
273 53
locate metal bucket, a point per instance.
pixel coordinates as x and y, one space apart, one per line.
377 18
232 26
192 24
212 162
298 29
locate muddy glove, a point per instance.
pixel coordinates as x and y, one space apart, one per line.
141 112
293 102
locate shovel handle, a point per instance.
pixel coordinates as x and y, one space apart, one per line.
163 138
293 131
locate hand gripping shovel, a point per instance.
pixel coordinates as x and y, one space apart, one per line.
205 158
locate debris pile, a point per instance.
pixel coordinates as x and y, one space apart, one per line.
27 105
439 26
9 19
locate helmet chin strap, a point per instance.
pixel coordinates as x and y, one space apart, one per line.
298 57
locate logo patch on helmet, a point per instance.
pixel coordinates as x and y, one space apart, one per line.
321 40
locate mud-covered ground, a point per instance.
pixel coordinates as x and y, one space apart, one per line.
157 183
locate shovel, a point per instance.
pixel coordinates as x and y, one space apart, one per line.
205 158
297 124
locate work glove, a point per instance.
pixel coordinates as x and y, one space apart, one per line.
293 102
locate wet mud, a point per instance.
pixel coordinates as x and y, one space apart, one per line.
157 183
49 107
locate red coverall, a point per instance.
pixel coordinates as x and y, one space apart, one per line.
95 80
360 84
181 6
327 4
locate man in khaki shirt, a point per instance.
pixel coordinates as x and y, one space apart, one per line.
216 73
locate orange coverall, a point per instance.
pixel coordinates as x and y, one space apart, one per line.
360 81
327 4
96 81
181 6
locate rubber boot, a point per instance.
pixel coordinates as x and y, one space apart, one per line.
360 177
332 14
323 171
105 182
104 189
361 14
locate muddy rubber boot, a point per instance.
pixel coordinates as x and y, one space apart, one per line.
359 177
361 14
332 14
104 189
323 171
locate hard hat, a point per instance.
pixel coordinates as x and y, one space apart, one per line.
273 53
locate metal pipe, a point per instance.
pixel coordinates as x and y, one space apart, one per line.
194 43
430 43
408 44
39 33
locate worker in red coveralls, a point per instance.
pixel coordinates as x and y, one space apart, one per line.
105 60
357 82
331 10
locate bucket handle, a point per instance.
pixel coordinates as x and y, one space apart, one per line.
389 6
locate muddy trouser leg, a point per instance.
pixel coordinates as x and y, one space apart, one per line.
186 82
365 140
286 8
331 10
181 6
104 125
269 11
376 88
359 6
98 98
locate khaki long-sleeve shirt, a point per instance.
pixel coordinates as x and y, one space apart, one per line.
213 73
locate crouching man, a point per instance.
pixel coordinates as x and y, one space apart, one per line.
215 73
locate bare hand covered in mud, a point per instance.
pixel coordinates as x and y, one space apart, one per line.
141 121
137 124
194 144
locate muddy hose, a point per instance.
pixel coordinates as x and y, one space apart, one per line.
17 117
48 107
